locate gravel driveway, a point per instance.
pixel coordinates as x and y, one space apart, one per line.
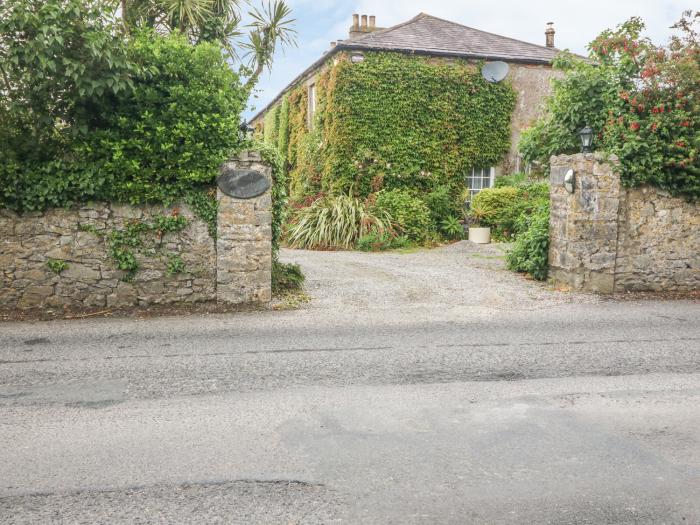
451 281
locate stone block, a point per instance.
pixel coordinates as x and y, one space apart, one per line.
125 295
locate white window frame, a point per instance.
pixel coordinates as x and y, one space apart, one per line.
479 174
312 105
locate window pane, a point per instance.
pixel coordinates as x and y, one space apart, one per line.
479 179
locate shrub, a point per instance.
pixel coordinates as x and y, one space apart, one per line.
501 208
493 206
377 242
531 250
156 141
452 228
336 223
286 278
643 101
515 179
444 204
410 214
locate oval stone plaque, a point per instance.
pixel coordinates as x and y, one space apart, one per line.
242 184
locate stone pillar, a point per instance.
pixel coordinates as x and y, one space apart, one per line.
244 240
584 225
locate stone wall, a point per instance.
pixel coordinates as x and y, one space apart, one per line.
236 269
80 239
607 238
244 241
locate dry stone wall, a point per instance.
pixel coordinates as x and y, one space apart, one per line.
62 258
79 239
607 238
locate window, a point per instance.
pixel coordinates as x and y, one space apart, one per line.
479 179
312 105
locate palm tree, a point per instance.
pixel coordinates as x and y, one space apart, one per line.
219 21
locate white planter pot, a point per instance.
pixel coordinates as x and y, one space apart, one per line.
480 235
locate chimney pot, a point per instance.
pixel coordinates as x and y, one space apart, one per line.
364 22
372 22
355 21
549 34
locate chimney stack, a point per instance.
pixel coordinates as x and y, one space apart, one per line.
363 25
549 34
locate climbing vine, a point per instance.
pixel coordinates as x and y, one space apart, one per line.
142 237
393 121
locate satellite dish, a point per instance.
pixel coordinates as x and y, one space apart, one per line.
494 72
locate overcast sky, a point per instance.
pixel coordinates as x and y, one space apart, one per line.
577 22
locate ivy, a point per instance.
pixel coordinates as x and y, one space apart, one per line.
395 121
123 245
205 206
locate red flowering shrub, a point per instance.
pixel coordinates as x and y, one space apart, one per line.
647 112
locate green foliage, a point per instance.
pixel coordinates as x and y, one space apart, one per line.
515 179
272 126
155 142
286 278
336 223
175 264
501 208
531 249
124 244
205 206
452 228
219 22
61 63
283 133
492 208
409 213
380 241
642 100
56 265
397 122
272 157
420 123
444 203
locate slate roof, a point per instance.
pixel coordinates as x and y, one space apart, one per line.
428 35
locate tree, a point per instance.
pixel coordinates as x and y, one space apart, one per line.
642 99
219 21
58 60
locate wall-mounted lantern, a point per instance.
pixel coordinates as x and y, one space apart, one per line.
586 136
570 181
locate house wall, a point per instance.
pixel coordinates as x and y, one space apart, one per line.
532 84
607 238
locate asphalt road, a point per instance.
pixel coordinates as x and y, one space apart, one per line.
581 411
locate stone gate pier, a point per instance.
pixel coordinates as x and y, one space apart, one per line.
607 238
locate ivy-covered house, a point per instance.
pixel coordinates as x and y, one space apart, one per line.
407 107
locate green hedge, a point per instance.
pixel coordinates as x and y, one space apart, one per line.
155 141
502 207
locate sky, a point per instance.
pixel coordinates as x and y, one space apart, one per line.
319 22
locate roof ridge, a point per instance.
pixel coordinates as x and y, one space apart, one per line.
484 32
